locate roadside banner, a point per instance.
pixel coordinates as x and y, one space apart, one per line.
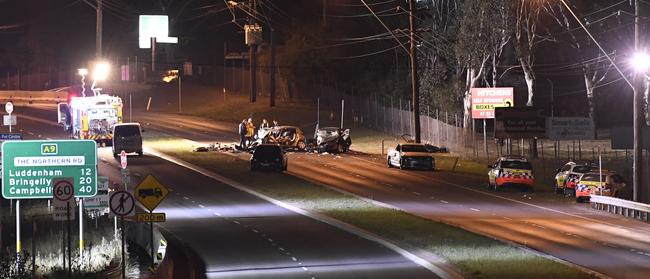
484 100
570 128
519 123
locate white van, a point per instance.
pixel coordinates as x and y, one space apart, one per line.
127 137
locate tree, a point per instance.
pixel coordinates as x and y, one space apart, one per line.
482 36
528 36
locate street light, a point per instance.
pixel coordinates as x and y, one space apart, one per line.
640 62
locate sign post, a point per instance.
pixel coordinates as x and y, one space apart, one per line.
150 192
122 204
484 100
9 108
63 190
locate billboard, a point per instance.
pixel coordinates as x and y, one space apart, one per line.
154 26
570 128
484 100
519 123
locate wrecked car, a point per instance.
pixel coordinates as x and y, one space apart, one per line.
332 139
288 137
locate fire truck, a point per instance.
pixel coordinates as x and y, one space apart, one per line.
91 117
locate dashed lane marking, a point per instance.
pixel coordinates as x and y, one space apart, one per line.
236 222
444 201
417 194
186 198
294 259
305 269
217 214
201 206
474 209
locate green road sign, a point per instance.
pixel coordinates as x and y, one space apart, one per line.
28 167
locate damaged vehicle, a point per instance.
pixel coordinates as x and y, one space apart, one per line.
410 155
332 139
288 137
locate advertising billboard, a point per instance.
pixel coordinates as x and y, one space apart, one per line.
484 100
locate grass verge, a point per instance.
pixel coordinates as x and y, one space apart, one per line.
474 255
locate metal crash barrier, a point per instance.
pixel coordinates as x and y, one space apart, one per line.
618 206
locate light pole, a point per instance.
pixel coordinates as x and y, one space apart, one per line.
640 62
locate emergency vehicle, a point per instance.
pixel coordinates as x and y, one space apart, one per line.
511 170
91 117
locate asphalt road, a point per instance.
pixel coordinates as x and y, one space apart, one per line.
609 244
238 235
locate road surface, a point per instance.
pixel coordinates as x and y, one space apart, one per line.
238 235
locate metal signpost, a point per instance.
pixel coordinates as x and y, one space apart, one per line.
150 192
484 100
9 119
63 190
122 204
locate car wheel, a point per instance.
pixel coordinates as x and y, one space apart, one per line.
390 166
401 164
530 189
578 199
339 148
558 190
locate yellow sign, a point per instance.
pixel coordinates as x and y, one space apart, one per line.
152 217
150 192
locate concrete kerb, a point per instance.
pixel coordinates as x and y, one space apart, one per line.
437 268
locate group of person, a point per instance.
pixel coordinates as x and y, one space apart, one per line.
247 130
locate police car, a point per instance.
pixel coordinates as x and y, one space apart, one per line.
511 171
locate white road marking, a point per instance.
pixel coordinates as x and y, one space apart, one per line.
186 198
236 222
507 218
30 133
417 194
201 206
281 249
474 209
209 209
294 259
444 201
270 240
305 269
217 214
255 231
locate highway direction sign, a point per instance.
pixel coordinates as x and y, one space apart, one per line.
151 217
99 201
29 167
122 203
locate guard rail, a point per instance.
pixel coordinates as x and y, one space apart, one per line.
623 207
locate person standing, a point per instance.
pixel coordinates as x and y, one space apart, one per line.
242 133
250 130
265 124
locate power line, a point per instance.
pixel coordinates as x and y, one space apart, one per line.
382 23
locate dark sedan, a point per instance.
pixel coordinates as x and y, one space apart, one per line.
269 157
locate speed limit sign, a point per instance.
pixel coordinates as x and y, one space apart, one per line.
63 189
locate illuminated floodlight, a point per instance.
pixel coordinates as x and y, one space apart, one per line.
82 72
640 62
101 71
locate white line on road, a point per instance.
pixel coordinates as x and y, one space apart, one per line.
217 214
474 209
510 219
305 269
236 222
281 249
255 231
444 201
270 240
186 198
201 206
417 194
294 259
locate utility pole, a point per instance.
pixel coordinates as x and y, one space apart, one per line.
252 54
272 70
98 33
414 73
638 139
